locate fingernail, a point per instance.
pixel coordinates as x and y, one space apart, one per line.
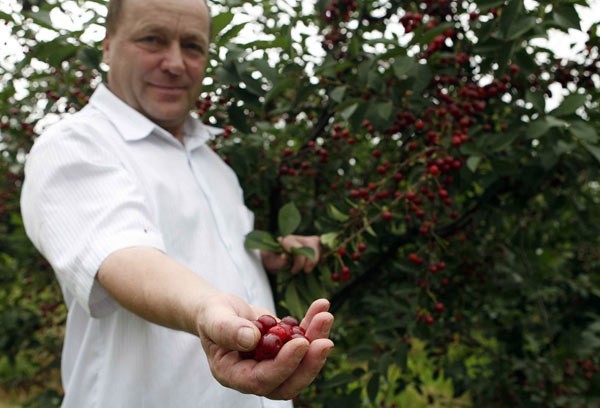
325 353
300 352
245 337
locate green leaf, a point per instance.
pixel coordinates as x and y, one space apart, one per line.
375 81
473 163
402 66
566 16
338 94
329 239
368 227
336 214
364 69
521 27
537 100
485 5
314 287
288 219
42 18
402 355
373 387
305 251
237 117
347 112
280 88
593 150
537 128
422 77
498 142
382 109
510 13
262 240
224 38
54 52
583 131
91 57
338 380
5 16
292 301
429 35
570 104
219 22
540 127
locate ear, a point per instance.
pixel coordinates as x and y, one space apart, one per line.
106 50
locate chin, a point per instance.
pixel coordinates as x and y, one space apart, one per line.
168 116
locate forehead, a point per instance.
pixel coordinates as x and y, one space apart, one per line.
190 17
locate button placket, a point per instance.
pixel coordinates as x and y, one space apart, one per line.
219 221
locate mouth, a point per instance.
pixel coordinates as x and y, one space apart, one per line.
169 89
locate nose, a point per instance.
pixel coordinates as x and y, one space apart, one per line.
173 59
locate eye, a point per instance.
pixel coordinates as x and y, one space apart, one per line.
195 47
151 40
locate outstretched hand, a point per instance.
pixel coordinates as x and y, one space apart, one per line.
226 328
273 262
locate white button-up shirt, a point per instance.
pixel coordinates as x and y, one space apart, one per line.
108 178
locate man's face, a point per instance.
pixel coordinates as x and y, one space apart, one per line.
157 56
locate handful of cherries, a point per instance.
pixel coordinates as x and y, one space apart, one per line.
273 336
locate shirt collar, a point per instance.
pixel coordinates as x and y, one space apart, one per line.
132 125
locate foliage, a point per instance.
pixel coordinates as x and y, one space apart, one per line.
459 207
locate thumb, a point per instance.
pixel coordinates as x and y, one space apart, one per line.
247 337
233 333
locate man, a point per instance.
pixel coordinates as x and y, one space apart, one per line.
144 226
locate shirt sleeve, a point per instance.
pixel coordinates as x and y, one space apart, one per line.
80 204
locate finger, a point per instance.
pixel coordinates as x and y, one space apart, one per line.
314 242
237 334
230 370
268 375
307 370
229 325
298 265
250 376
320 326
279 261
318 306
309 264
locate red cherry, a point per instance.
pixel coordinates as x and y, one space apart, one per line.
291 320
260 326
345 271
268 347
298 330
387 215
281 331
267 321
433 170
414 258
